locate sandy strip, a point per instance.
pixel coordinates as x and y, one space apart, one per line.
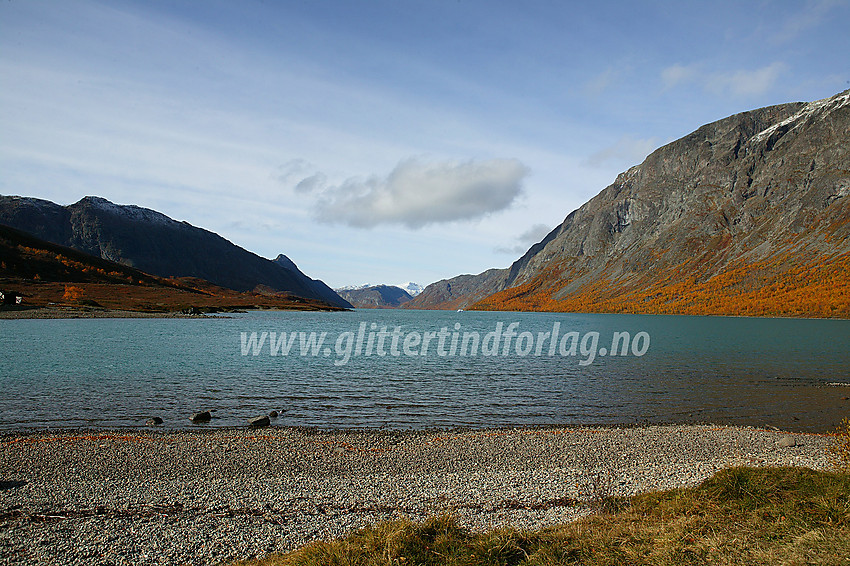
205 497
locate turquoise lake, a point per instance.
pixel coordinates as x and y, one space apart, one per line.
110 373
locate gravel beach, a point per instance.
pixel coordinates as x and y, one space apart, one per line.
61 311
214 496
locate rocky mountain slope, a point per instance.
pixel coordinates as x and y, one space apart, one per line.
375 296
747 215
154 243
460 291
49 274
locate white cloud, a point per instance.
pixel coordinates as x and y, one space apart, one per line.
301 176
535 234
748 82
314 182
814 12
604 81
676 74
293 171
417 193
627 151
739 82
527 239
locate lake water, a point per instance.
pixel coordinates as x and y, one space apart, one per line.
109 373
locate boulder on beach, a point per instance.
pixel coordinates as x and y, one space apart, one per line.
153 421
202 417
262 420
273 414
787 442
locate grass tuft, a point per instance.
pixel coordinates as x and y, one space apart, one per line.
740 516
840 449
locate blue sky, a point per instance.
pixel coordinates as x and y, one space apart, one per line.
383 141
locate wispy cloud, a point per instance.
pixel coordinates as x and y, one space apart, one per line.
293 172
310 184
625 152
602 82
417 193
738 82
748 82
677 74
525 240
811 15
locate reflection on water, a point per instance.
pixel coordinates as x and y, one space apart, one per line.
114 372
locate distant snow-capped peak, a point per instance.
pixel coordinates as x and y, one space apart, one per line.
412 288
354 287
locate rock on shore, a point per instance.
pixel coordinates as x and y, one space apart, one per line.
157 497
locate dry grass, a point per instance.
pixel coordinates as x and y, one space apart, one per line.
840 449
740 516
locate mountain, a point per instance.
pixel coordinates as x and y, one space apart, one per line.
154 243
353 287
375 296
461 291
749 215
285 262
411 288
49 274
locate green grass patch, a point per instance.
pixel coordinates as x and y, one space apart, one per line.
738 516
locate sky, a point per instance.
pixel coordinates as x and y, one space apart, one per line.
383 141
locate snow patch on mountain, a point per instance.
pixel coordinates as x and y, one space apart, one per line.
412 288
812 108
129 211
409 287
354 287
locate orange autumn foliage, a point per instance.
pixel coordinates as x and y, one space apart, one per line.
72 293
778 286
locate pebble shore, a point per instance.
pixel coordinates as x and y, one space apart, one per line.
61 311
210 497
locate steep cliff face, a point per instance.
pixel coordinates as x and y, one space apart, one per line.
154 243
747 215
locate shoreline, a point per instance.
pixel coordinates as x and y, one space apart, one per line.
206 496
70 312
62 312
208 429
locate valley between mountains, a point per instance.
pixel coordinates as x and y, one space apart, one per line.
748 215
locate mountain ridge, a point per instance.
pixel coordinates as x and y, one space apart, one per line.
56 277
375 296
721 221
154 243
